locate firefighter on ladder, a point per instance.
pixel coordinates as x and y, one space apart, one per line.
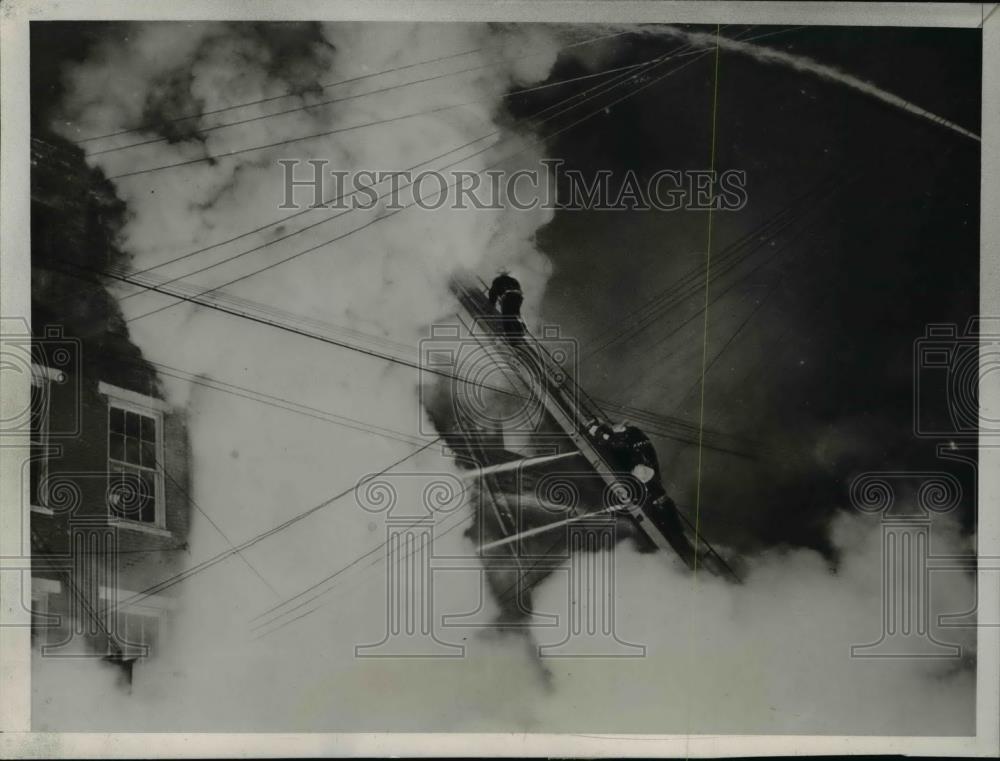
505 295
631 450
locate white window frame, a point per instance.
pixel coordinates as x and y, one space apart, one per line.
152 606
130 401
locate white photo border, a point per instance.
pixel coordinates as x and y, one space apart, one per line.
16 739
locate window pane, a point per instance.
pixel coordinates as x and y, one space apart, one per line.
148 427
116 448
148 452
133 497
117 421
131 424
131 450
118 496
147 510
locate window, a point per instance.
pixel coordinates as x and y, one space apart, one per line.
135 628
135 471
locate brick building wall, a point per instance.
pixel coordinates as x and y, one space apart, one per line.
109 473
99 537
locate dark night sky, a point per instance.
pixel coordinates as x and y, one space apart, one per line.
822 372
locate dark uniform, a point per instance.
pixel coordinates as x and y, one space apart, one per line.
640 448
505 295
629 449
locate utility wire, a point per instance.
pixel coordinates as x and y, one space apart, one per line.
698 538
49 557
714 299
394 212
295 330
216 526
216 559
774 256
423 112
346 345
269 619
684 430
272 619
371 186
678 291
278 402
237 550
262 625
289 141
726 264
290 94
333 200
681 51
349 80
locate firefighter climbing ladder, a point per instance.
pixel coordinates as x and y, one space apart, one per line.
553 386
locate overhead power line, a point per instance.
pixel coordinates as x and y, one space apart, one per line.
290 94
300 331
396 211
457 519
350 80
667 426
326 133
196 506
278 402
422 112
333 200
238 550
218 558
336 200
366 350
677 291
585 94
775 255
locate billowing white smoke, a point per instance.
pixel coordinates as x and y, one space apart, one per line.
771 655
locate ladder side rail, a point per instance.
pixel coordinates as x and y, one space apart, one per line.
566 413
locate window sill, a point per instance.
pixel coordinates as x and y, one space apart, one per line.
142 528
